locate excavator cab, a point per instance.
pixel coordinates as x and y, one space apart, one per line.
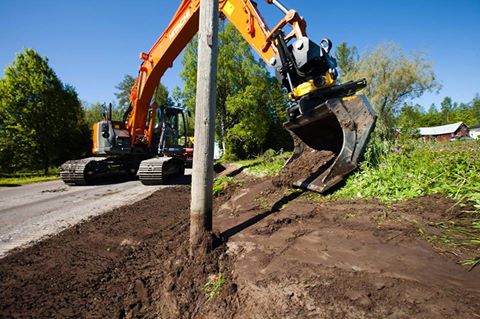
173 131
170 147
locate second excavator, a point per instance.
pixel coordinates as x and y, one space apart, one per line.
324 117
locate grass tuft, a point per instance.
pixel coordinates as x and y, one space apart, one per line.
268 164
221 183
213 286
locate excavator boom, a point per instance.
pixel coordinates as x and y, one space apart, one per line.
182 28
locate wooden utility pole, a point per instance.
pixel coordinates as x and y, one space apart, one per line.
202 174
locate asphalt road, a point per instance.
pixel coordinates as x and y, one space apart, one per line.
30 212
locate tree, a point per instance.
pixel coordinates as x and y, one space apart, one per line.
124 89
410 118
446 107
123 95
347 58
413 117
463 112
249 101
93 113
476 108
162 96
42 119
393 78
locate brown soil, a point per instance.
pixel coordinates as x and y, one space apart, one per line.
130 263
303 165
288 257
297 258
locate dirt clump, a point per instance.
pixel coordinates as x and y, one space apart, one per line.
303 165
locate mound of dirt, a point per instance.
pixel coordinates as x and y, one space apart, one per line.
132 262
303 165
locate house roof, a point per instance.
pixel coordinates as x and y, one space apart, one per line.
439 130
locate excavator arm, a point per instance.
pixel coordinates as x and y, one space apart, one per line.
243 14
325 117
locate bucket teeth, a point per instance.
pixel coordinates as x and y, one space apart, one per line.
328 142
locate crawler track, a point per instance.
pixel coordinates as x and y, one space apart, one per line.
76 172
153 171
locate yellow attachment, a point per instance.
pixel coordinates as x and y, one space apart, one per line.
329 81
349 98
303 89
309 87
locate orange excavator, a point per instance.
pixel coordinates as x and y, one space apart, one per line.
323 115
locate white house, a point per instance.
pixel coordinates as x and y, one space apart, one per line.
475 131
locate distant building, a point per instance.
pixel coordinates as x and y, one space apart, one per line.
445 133
475 131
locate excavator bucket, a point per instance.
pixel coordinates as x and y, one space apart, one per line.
329 140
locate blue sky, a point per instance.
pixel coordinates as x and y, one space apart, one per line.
91 44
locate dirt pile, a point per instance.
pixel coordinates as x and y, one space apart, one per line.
130 263
303 165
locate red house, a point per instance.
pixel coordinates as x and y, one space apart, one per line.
445 133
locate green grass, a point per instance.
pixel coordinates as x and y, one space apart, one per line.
472 262
213 286
14 181
268 164
24 178
221 183
392 173
417 169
